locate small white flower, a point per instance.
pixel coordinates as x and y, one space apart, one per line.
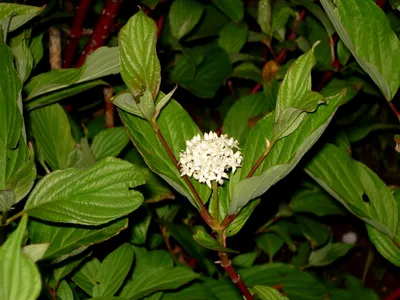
210 157
349 238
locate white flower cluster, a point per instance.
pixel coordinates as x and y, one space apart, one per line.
208 158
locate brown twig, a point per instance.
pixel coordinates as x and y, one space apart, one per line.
232 90
55 48
108 107
393 108
102 29
76 32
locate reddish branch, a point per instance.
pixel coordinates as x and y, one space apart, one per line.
102 30
76 32
394 296
381 3
226 263
108 107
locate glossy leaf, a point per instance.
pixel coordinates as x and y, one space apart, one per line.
67 241
91 196
52 134
278 163
316 233
177 127
241 218
64 291
183 17
140 68
268 293
204 239
328 254
109 142
377 50
87 277
249 71
270 243
22 54
245 260
232 8
233 37
19 276
35 251
360 190
140 226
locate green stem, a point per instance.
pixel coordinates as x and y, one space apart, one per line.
202 208
13 218
214 186
269 223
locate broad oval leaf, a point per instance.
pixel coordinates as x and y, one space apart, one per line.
140 68
19 276
92 196
268 293
21 14
328 254
377 49
204 239
233 37
232 8
183 17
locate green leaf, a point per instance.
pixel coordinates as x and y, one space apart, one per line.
278 162
232 8
210 24
295 97
343 53
264 17
241 218
233 37
245 260
22 54
243 115
113 271
65 268
314 200
268 293
62 93
322 53
92 196
296 283
68 240
269 243
102 62
377 50
10 115
183 17
21 14
328 254
248 70
52 134
36 47
7 200
360 190
204 239
81 156
87 277
64 291
19 276
177 127
196 291
154 272
140 226
109 142
140 67
204 79
316 233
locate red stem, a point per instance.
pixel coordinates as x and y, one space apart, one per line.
381 3
227 265
75 32
255 89
102 30
394 296
160 26
232 90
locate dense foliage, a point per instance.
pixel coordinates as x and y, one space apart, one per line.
110 190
